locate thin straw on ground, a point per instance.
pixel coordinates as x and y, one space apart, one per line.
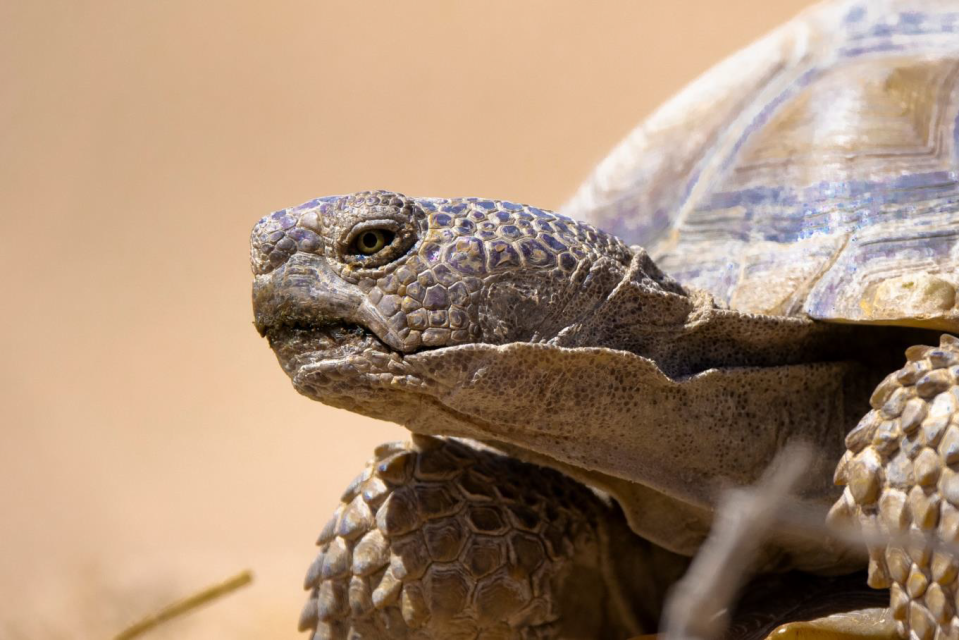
186 605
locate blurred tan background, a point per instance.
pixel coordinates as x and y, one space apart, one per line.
150 443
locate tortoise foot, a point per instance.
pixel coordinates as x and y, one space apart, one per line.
902 487
436 539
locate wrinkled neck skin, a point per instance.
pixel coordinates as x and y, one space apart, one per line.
683 331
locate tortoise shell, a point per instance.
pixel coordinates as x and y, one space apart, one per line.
815 172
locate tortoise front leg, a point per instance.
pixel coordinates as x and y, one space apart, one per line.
437 539
900 474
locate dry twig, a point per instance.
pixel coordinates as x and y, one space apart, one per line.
698 605
186 605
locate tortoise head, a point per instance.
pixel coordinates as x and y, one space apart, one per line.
347 288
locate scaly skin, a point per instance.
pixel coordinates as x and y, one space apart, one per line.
440 540
900 479
457 272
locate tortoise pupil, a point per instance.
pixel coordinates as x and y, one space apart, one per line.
372 241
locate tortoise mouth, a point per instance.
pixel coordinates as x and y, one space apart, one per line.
298 343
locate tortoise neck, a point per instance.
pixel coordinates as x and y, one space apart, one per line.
684 332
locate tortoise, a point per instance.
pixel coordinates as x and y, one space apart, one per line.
742 272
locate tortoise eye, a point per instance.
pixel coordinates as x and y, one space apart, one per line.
372 241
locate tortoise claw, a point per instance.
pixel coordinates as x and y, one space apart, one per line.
865 624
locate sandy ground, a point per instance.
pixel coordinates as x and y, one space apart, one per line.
150 443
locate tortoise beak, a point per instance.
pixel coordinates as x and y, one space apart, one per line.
305 291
